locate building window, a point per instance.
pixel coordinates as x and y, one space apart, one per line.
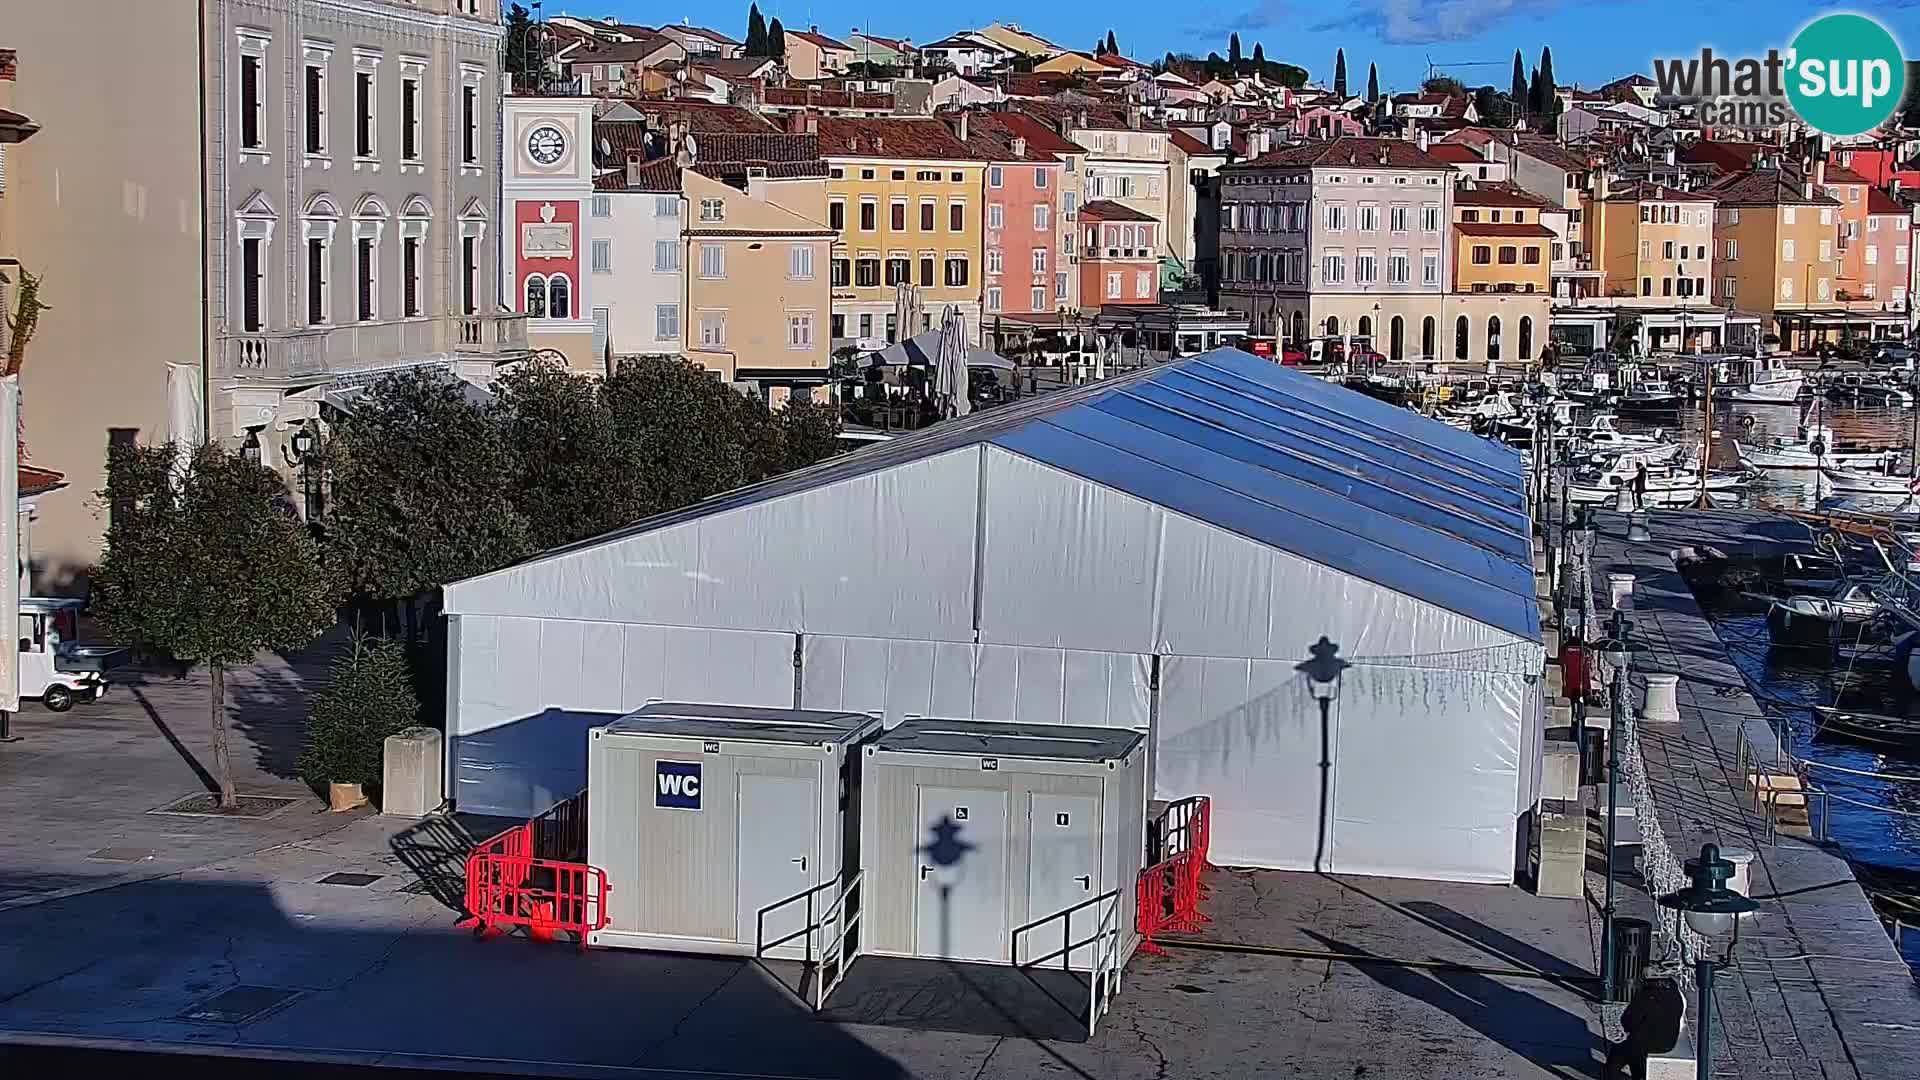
1366 267
866 271
412 267
1430 218
1059 286
666 206
1143 284
994 176
713 261
666 322
899 270
1733 250
1493 337
366 122
1526 337
1429 272
993 298
1786 250
410 118
1333 268
1113 285
1460 338
316 109
469 274
994 218
956 270
1040 260
713 210
800 330
1428 344
319 251
1727 288
1531 256
1369 217
837 215
1399 270
869 215
469 124
994 266
603 256
1040 179
800 262
1646 286
1037 300
367 278
897 215
1042 217
1509 255
1469 215
1336 217
1482 255
602 206
252 101
1397 218
956 217
928 214
842 274
713 329
926 271
666 256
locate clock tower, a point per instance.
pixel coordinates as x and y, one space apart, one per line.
546 183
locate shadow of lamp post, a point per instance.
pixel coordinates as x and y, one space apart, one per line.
1578 542
945 850
1711 910
1618 648
1323 669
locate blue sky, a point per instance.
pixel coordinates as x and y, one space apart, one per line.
1593 41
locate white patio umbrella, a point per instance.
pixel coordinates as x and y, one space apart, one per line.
950 363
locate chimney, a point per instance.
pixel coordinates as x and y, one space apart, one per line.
813 29
1081 116
1601 184
636 160
1820 172
1133 117
879 143
1669 155
1020 146
1421 137
813 124
960 129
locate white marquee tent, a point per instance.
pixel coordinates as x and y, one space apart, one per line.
1154 551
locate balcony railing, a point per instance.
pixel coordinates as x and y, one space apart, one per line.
313 352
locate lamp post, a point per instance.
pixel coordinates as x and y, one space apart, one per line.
1618 648
302 449
1580 536
1711 910
1323 669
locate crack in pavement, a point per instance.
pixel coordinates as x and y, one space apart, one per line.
1160 1071
982 1070
684 1017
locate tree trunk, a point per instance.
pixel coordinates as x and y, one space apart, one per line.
222 763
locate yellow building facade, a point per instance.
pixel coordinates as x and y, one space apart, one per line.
906 203
758 299
1772 230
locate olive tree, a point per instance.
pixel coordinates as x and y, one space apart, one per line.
206 562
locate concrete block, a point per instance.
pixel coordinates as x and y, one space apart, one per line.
1561 866
1560 770
1556 680
413 777
1539 559
1742 860
1551 639
1662 704
1623 499
1619 588
1559 713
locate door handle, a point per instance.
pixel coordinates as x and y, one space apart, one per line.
924 871
1086 881
802 860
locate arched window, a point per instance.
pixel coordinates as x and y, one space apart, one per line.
536 296
1299 334
1366 326
1429 347
1526 337
1397 338
1333 325
1493 337
559 297
1460 338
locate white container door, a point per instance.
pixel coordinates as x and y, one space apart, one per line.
778 845
960 912
1063 870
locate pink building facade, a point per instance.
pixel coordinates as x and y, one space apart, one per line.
1022 254
1119 263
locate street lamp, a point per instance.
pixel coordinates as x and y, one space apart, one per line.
1618 649
250 449
1324 671
303 450
1711 910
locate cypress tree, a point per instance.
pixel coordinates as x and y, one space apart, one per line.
1340 73
756 32
1259 56
1549 101
1533 94
776 39
1113 47
1519 91
1233 50
1373 83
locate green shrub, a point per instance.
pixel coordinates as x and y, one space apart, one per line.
368 697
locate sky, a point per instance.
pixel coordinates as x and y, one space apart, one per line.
1593 41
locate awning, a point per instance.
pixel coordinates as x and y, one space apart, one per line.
921 349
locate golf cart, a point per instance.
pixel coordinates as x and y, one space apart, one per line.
53 666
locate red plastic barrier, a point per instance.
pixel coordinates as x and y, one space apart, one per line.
535 876
1573 671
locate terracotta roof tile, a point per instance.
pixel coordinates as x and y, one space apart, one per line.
1457 153
660 176
1879 202
1188 144
1840 174
909 138
1499 195
826 97
1767 187
820 39
1108 210
1502 228
1656 193
1037 133
34 480
1351 151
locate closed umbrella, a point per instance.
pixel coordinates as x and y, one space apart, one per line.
950 363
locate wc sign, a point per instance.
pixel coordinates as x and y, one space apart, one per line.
676 785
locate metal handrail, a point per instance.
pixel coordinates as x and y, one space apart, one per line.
832 945
834 951
1065 915
761 945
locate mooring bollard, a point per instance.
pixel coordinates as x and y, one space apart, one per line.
1663 699
1619 589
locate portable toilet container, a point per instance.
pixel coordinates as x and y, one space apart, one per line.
720 827
1002 843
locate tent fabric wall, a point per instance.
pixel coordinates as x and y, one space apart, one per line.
982 682
527 690
1424 766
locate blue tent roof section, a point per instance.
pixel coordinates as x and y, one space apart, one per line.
1261 450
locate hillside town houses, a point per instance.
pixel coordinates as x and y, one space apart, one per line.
381 190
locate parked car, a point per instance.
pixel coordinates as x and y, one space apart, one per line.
1892 353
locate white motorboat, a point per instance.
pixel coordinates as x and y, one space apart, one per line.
1815 448
1665 485
1860 482
1819 620
1760 380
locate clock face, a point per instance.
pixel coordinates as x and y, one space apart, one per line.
546 144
